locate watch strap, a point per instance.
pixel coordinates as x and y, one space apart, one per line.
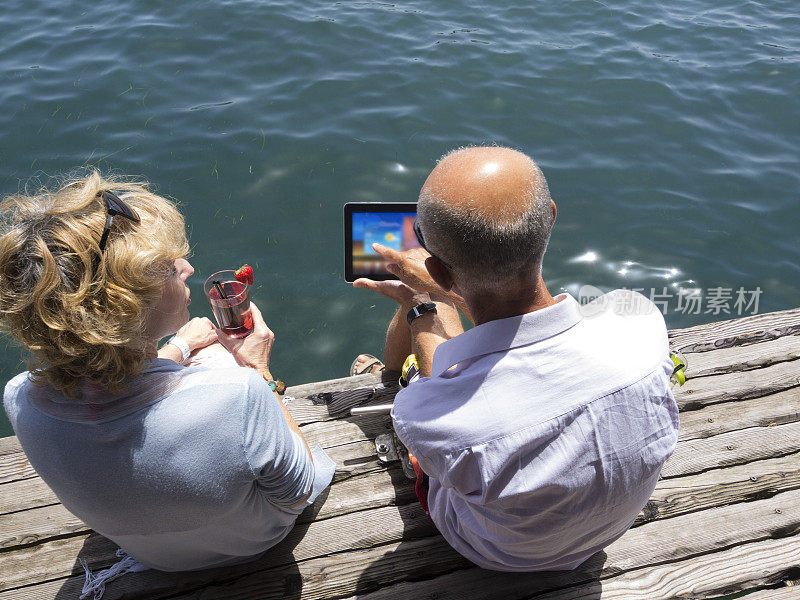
419 310
181 345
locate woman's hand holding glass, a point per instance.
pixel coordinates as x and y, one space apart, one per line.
253 351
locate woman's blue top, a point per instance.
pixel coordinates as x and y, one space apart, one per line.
189 468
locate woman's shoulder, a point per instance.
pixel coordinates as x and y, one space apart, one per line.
225 388
234 379
16 389
18 382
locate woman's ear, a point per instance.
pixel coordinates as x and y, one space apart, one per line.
439 273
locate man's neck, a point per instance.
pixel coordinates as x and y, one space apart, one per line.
512 302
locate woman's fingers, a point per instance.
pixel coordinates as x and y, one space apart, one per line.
259 325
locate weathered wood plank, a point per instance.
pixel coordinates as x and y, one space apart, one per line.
742 358
9 445
24 495
740 568
15 466
775 409
718 487
37 524
735 570
652 543
702 391
733 448
339 534
745 330
345 431
374 490
333 399
359 571
697 392
364 492
391 562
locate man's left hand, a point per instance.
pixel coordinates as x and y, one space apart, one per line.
405 296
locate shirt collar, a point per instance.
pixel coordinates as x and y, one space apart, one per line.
503 334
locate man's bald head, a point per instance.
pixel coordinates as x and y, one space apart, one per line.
492 182
487 211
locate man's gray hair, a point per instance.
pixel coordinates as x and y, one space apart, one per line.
488 252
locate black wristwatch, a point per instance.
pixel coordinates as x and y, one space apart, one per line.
419 310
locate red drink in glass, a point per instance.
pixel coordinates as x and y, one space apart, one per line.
230 302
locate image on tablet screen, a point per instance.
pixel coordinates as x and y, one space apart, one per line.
392 229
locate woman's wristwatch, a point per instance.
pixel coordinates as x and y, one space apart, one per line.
181 345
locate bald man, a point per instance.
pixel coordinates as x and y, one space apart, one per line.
541 431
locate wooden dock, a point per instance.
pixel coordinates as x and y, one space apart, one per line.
724 518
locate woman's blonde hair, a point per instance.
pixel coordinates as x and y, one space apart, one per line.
79 311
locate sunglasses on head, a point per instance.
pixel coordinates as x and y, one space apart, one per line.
115 206
421 241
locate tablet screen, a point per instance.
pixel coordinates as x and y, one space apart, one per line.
388 223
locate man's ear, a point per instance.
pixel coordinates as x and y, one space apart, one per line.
439 273
554 210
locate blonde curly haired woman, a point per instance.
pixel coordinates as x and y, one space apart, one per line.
183 467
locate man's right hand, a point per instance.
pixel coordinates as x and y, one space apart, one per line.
254 350
409 267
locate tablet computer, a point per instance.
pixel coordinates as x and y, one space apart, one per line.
388 223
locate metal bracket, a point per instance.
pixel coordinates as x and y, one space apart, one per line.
390 449
387 445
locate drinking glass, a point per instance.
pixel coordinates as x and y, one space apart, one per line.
231 306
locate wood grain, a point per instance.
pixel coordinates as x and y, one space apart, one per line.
9 445
733 332
775 409
741 483
740 568
742 358
343 572
733 448
15 466
650 544
702 391
333 399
